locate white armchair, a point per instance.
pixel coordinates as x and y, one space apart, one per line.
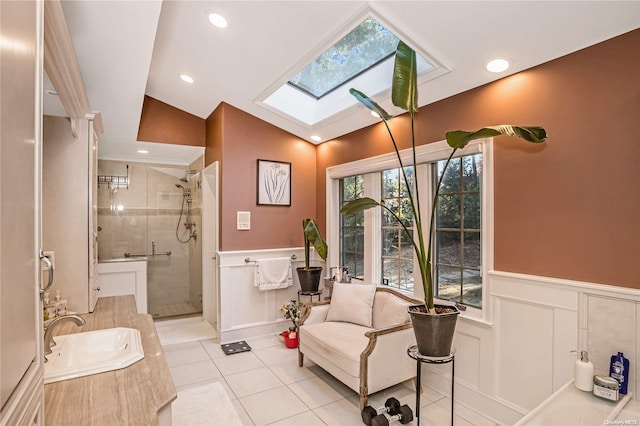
364 348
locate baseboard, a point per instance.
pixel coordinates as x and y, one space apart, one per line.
253 330
493 409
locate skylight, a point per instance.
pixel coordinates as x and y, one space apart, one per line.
362 59
365 46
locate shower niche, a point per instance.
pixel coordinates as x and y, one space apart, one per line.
157 218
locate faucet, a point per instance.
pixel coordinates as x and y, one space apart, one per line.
48 334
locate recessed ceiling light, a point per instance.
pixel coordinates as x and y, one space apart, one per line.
186 78
143 151
316 138
497 65
217 20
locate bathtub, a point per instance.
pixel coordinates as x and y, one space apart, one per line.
571 406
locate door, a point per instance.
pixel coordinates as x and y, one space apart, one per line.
210 288
93 217
21 359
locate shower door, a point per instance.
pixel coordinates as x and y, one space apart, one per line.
174 269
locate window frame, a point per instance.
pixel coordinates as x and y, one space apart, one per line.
425 155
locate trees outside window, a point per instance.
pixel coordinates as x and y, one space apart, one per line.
397 250
352 228
458 230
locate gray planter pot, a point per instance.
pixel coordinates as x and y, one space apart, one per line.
434 333
309 278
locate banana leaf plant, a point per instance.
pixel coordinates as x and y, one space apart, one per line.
404 94
312 237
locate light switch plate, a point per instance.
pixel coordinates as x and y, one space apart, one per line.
243 221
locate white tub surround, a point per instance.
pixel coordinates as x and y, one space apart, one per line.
119 277
246 311
519 355
571 406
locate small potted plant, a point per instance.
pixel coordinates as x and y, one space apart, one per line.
433 325
292 311
309 276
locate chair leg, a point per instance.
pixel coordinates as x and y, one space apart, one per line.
364 398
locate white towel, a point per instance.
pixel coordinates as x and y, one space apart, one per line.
272 274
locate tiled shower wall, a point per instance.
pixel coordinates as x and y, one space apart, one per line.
130 219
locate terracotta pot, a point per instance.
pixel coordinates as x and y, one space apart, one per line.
290 342
309 278
434 333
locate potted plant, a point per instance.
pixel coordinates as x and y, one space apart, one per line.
309 276
292 311
433 325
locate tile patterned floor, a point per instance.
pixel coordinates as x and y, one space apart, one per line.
267 387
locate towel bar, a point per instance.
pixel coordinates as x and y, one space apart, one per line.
247 260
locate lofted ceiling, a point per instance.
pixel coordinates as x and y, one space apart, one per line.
127 49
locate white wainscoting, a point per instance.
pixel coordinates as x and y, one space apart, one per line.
117 278
245 311
506 367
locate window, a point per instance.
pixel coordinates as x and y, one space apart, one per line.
352 228
364 47
397 250
463 216
318 90
458 231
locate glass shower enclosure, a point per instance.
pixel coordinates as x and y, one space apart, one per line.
156 216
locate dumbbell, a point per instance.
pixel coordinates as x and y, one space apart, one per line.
404 416
391 406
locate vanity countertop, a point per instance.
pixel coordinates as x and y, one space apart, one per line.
130 396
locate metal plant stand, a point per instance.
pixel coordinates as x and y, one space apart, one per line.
413 353
310 294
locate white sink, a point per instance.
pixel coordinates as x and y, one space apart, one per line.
83 354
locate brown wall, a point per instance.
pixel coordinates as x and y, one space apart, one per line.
565 209
243 140
160 122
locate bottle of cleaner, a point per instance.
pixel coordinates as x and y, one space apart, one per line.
584 372
619 370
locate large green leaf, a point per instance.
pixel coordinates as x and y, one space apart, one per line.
366 101
358 205
459 138
312 234
404 88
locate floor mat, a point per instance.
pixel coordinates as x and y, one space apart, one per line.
203 405
184 332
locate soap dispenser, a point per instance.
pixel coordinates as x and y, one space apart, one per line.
584 372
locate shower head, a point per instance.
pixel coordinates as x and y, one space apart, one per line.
185 191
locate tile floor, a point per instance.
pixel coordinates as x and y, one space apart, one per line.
267 387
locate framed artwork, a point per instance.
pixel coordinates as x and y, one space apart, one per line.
274 183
